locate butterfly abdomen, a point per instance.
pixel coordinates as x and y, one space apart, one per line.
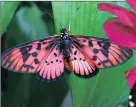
65 48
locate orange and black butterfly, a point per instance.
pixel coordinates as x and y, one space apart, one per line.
84 55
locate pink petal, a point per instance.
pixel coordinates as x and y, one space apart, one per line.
120 33
131 77
124 14
132 3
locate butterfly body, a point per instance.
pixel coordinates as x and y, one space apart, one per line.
64 44
48 57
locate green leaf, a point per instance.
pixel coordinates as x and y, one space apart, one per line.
30 26
109 87
8 10
30 21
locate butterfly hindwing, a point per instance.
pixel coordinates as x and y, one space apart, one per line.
51 67
102 52
80 63
29 58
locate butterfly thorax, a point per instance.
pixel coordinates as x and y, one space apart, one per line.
64 33
65 45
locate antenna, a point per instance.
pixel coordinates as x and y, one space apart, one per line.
72 18
52 16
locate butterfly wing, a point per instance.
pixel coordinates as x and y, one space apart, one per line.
31 57
80 63
102 52
51 67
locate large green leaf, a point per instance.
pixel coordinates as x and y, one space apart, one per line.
109 87
8 10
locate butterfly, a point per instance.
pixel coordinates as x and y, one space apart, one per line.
132 97
47 57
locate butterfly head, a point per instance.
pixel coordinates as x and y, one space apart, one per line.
64 33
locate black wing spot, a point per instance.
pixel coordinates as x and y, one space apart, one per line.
105 52
29 47
75 52
95 51
38 46
46 62
94 58
90 43
82 46
25 57
43 43
80 58
60 61
55 54
74 58
36 61
25 49
99 43
83 59
105 61
26 66
84 40
51 61
106 45
57 60
32 67
34 54
99 64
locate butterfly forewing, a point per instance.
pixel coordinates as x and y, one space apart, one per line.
36 56
102 52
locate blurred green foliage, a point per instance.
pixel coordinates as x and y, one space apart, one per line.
29 22
7 13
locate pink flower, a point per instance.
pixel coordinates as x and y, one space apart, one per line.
121 29
131 77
